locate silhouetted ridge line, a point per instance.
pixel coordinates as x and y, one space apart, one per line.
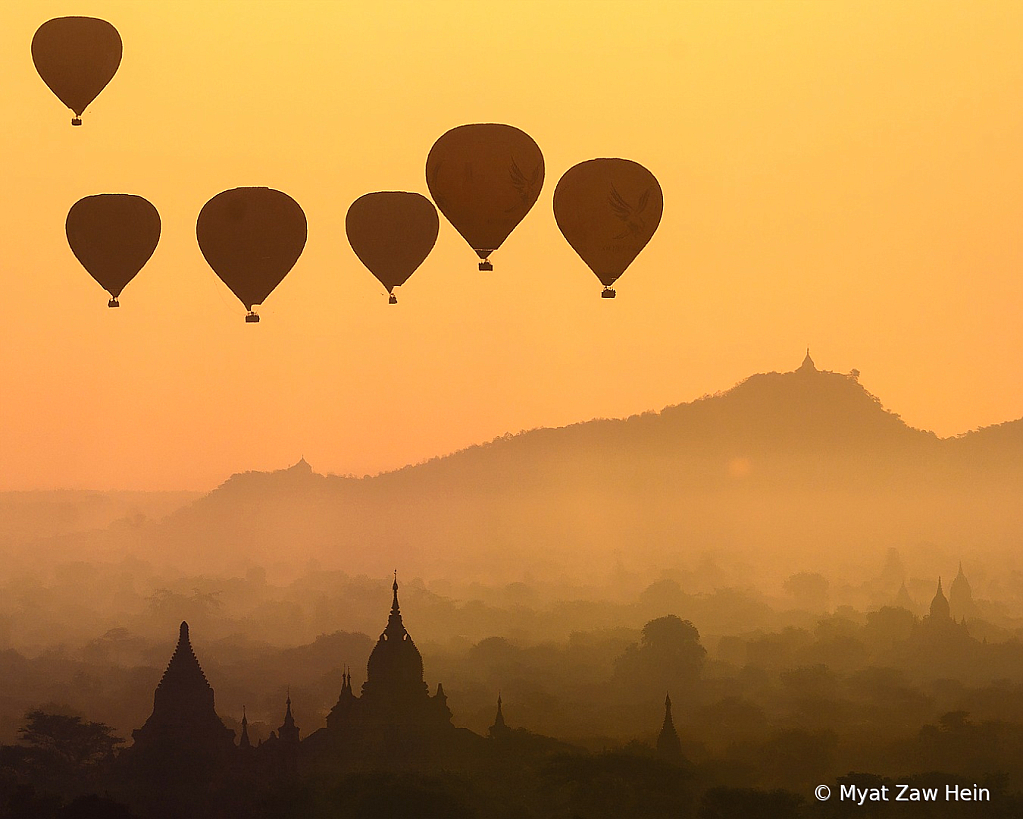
808 404
812 445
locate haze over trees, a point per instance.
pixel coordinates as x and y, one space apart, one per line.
786 472
769 557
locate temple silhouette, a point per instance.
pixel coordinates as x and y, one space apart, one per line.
393 722
396 734
668 744
183 710
184 752
960 596
940 621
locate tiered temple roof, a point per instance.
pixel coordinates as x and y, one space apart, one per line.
183 709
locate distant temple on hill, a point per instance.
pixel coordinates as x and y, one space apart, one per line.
809 368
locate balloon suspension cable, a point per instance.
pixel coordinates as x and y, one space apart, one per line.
76 120
113 303
252 317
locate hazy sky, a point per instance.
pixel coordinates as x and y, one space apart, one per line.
843 175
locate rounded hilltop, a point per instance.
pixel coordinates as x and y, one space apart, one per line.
805 407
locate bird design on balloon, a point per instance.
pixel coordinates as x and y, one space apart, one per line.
635 224
592 200
525 186
475 177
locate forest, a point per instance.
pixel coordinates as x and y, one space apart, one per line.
773 691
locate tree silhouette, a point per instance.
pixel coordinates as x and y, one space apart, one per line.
59 756
68 742
809 589
669 655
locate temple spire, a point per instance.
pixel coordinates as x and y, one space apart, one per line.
939 605
244 742
668 744
960 596
808 365
903 600
288 731
499 728
340 714
395 629
184 677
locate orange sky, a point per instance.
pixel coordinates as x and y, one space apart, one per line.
843 175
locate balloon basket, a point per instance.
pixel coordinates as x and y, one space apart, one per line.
393 299
252 318
486 266
76 120
113 303
607 293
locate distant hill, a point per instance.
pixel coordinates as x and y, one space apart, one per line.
788 468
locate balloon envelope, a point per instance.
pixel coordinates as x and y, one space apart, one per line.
76 57
392 233
113 235
251 237
608 209
485 178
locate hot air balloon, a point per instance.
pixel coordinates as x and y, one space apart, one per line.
113 235
251 237
76 57
485 178
392 233
608 209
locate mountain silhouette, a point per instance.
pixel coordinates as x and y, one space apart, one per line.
786 468
784 464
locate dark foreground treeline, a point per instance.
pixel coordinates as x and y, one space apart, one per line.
763 719
56 776
772 695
